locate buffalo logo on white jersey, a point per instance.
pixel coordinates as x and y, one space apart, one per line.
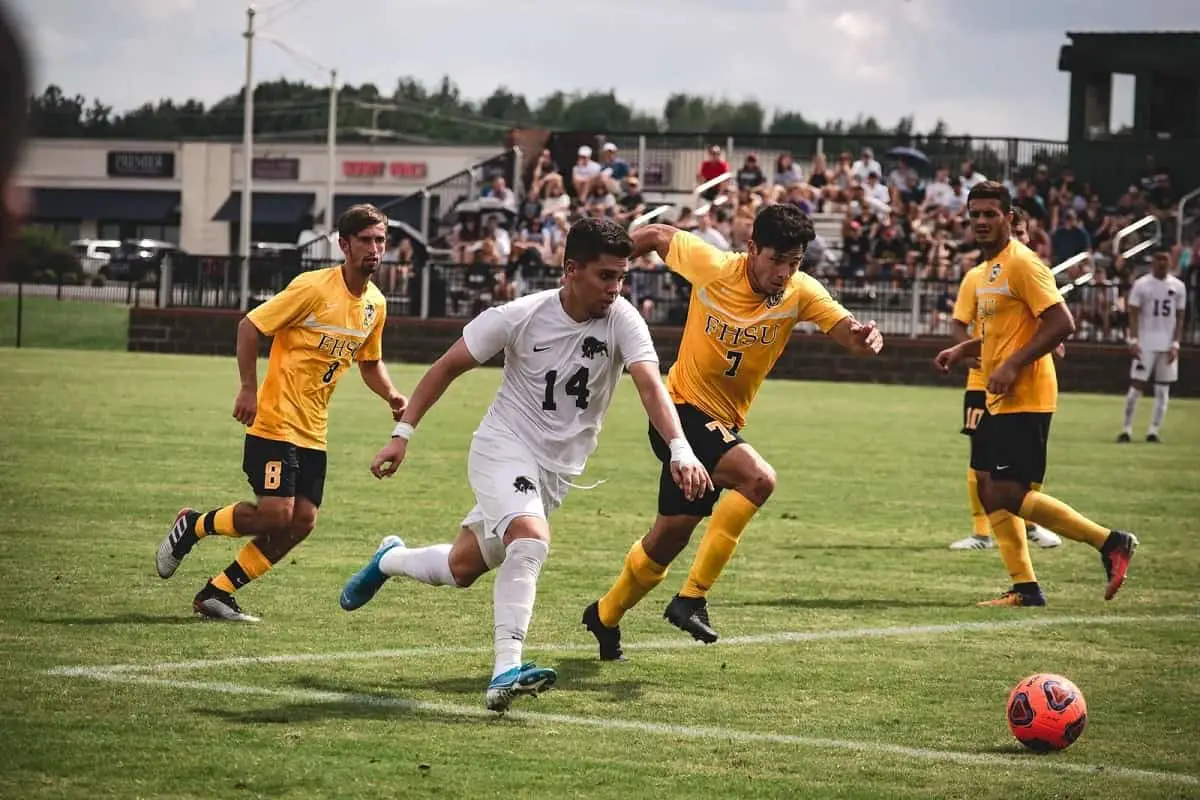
524 485
594 347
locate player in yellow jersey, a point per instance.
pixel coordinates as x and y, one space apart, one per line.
741 315
324 322
974 403
1021 319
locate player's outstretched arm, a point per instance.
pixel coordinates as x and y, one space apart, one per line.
245 405
375 376
946 359
433 384
859 339
689 474
653 237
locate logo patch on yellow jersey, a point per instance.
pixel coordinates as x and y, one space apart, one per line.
774 299
368 316
995 273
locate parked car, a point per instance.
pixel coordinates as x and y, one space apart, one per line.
93 254
138 259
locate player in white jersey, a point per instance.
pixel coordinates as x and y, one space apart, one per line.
564 350
1156 305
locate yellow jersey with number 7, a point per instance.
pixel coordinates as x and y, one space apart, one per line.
733 335
319 330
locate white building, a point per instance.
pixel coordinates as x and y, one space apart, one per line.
189 192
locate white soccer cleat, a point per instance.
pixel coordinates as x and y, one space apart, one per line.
1042 537
973 542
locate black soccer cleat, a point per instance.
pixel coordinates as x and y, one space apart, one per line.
178 542
1153 438
1123 438
690 614
608 638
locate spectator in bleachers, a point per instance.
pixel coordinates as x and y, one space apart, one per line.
554 197
632 203
584 171
712 167
498 190
971 177
865 165
706 231
788 172
938 193
614 168
750 176
1070 238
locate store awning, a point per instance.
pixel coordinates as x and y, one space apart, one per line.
268 208
118 205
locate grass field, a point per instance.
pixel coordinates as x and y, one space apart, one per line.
854 662
67 324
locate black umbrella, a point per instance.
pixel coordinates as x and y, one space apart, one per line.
911 154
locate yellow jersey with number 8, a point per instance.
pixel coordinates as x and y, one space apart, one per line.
733 335
320 330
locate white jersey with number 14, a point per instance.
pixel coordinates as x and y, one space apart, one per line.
559 374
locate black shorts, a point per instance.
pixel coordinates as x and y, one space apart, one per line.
1012 447
710 440
281 469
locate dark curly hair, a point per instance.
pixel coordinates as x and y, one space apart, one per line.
591 237
783 228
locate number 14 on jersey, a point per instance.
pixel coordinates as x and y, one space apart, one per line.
577 387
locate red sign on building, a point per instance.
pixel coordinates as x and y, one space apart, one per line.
401 170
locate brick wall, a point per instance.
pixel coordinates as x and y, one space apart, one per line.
1088 367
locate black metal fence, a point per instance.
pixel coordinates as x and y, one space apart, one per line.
61 314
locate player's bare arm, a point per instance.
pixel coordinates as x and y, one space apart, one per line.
1131 334
946 359
245 405
1056 325
858 338
689 474
653 238
1173 353
375 376
433 384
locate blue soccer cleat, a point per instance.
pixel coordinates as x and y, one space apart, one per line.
527 679
363 584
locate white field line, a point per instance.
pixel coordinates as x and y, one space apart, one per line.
662 729
679 643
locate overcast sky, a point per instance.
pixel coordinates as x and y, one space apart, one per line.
988 68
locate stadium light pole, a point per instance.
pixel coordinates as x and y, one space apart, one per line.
247 162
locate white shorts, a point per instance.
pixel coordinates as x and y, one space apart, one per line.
1154 368
508 483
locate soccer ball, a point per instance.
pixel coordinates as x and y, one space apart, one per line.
1046 712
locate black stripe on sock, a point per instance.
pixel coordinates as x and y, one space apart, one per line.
206 522
237 576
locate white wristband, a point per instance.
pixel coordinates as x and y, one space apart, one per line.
681 451
403 430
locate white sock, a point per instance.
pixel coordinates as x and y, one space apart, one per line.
512 599
1131 401
429 565
1162 394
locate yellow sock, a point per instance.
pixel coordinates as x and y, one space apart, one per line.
249 564
1009 531
729 519
639 575
1062 519
219 521
979 520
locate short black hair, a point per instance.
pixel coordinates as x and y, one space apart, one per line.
593 237
356 219
991 190
14 94
782 227
1019 216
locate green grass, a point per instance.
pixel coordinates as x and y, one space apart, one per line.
68 324
103 448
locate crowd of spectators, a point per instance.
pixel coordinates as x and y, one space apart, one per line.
899 222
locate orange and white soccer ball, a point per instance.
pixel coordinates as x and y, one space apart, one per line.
1046 712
